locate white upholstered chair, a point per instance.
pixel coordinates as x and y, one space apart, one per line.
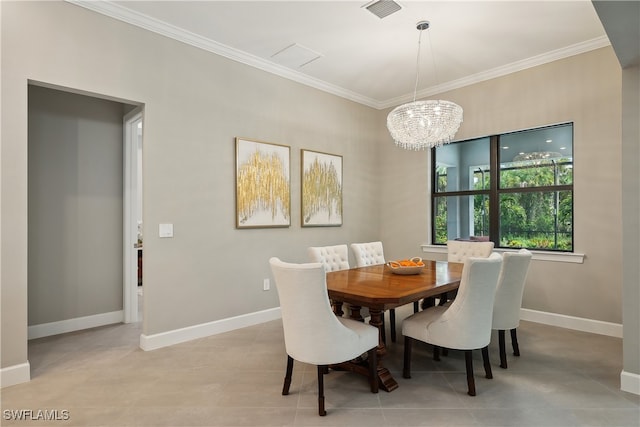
463 325
506 309
372 253
460 250
312 333
333 258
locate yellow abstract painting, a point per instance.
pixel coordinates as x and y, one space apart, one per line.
321 189
263 195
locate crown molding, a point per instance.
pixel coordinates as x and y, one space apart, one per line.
121 13
137 19
534 61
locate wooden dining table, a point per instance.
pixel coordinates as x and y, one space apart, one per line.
378 288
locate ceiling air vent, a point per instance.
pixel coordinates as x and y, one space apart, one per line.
382 8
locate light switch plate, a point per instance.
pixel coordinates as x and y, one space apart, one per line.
165 230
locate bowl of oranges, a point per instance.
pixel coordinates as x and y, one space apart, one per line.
406 266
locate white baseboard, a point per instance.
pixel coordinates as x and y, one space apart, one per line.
15 374
630 382
571 322
177 336
77 324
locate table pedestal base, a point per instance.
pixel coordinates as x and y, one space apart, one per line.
385 381
361 366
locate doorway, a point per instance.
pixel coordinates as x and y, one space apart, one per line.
78 209
132 211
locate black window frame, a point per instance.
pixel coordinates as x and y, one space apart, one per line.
494 192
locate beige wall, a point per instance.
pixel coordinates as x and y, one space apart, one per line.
585 90
631 218
195 103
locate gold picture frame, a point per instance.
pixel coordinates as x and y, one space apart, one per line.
263 184
321 188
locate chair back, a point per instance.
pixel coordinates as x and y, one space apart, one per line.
506 310
312 333
333 258
467 321
371 253
460 250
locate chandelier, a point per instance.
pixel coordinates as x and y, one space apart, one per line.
424 124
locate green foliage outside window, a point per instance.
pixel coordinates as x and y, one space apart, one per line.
441 220
540 220
538 227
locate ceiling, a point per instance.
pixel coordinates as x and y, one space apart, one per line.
343 48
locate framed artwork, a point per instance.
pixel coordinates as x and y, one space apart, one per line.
263 195
321 189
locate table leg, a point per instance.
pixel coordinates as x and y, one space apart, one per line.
387 382
359 365
337 308
355 313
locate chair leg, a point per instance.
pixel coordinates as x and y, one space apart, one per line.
514 342
487 365
416 306
287 377
468 357
383 327
321 371
408 344
373 369
392 320
436 353
503 352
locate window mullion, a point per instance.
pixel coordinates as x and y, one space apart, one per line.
494 204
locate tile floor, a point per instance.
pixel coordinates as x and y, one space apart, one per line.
102 378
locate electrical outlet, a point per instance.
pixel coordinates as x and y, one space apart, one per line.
266 285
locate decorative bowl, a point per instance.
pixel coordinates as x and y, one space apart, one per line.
406 266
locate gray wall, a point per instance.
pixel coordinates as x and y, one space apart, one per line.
75 206
631 218
196 103
583 89
621 21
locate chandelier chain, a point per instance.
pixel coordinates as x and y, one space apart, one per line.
415 88
433 60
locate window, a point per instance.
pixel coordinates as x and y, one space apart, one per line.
515 189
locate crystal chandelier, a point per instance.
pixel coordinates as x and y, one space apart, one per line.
424 124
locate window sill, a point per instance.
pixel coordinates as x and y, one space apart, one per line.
570 257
